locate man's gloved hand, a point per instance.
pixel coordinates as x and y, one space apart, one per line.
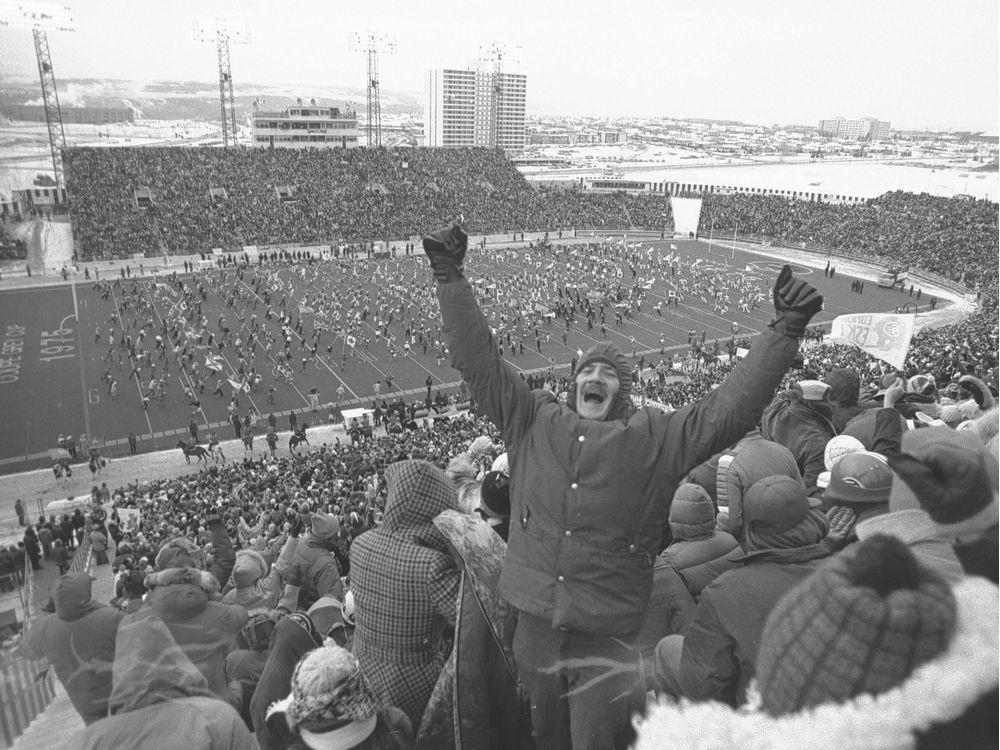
795 302
841 522
294 577
446 250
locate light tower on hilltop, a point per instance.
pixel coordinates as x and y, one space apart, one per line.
40 18
494 53
371 43
222 33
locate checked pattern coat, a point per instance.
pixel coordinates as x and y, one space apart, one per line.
405 586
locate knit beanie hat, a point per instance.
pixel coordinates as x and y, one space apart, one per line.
692 515
180 553
495 494
922 385
609 354
951 474
838 447
330 699
861 477
250 567
324 525
859 625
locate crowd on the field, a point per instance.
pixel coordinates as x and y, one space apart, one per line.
828 579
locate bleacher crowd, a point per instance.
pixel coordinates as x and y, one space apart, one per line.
828 577
332 197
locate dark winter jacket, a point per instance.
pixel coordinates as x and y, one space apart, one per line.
316 558
720 644
699 552
753 458
204 629
79 641
589 498
294 637
161 700
804 427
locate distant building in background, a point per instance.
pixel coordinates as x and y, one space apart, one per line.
865 129
458 109
70 115
305 126
576 138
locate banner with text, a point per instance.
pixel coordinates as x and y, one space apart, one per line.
883 335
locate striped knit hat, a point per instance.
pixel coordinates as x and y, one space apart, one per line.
860 625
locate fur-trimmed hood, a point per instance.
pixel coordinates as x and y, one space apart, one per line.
180 593
938 692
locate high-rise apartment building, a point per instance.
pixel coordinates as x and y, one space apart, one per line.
468 108
867 128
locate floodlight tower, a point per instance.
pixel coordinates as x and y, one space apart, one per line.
372 43
40 18
222 33
494 53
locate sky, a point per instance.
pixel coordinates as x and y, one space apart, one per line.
916 63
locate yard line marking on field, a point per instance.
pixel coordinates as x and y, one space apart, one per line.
183 372
138 387
79 356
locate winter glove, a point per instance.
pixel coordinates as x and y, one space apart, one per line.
446 250
294 577
795 302
841 523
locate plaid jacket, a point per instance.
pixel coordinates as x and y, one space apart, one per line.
405 588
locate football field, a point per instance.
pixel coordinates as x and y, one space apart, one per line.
54 340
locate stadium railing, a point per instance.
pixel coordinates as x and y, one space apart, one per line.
27 686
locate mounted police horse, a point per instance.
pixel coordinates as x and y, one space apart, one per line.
299 436
198 451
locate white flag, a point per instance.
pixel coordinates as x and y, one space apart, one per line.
885 336
673 246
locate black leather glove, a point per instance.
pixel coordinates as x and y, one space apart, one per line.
446 250
795 302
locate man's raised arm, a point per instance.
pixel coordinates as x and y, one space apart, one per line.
503 395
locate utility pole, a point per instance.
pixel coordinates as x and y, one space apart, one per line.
371 43
222 33
41 18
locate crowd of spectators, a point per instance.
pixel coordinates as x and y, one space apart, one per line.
874 510
954 237
12 249
332 197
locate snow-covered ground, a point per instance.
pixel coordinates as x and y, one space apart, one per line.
24 153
